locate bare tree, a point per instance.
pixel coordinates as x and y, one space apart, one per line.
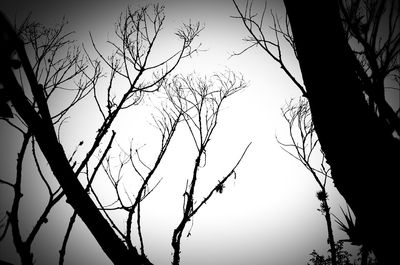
37 63
56 62
259 36
303 147
42 62
126 199
347 81
297 115
200 100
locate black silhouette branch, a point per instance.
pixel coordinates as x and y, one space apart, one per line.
221 183
377 54
23 247
254 24
62 251
88 188
303 138
377 57
57 67
5 220
199 100
53 198
137 32
302 147
166 124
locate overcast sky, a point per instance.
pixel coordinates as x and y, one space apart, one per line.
268 215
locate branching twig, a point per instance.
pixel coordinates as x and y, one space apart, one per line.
258 37
304 142
199 100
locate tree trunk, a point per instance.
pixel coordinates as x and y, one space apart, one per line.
43 130
363 156
331 238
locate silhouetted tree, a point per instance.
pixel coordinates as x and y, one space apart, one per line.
38 62
348 52
200 101
303 147
48 73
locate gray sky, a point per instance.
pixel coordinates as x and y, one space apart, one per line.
268 215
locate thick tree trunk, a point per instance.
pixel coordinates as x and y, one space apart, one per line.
43 130
44 133
363 156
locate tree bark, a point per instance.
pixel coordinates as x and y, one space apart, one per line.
363 156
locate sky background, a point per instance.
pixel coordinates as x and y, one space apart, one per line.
267 215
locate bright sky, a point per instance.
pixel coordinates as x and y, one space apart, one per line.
268 215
